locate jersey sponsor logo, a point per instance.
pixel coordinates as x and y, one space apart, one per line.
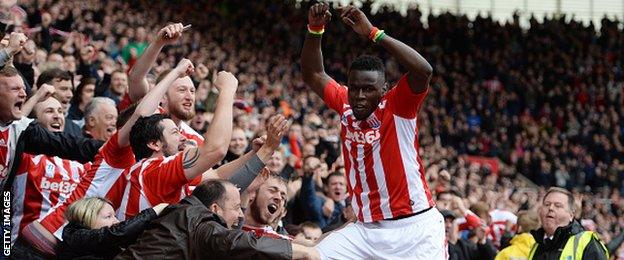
373 121
362 137
2 142
50 169
58 186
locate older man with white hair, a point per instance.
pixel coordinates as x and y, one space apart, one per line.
100 118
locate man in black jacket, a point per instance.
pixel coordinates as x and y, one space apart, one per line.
200 227
562 237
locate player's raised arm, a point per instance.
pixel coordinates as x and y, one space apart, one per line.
311 56
138 86
419 69
199 159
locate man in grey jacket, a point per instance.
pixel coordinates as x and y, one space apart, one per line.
200 227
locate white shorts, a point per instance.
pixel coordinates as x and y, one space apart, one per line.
416 237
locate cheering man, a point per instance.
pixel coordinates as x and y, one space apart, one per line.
379 136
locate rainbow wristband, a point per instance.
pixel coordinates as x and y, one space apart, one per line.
372 33
316 30
379 36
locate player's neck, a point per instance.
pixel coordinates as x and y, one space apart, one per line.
175 120
156 155
252 223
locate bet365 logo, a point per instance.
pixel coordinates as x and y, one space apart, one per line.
57 186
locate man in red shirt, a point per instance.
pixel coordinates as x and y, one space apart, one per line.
179 101
42 180
379 135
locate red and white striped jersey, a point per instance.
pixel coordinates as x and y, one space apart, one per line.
8 142
105 178
187 131
386 178
154 181
41 182
190 134
266 232
498 226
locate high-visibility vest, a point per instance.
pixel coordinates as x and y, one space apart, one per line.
574 248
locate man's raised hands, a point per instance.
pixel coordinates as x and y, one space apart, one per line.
170 33
356 19
319 15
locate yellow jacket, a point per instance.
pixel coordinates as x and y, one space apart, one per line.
519 249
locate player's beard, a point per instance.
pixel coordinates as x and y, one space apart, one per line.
182 114
256 213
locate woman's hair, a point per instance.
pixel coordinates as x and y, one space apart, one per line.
78 92
85 211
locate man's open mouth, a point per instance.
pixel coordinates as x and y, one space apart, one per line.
272 208
56 125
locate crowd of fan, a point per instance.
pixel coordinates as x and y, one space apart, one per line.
545 101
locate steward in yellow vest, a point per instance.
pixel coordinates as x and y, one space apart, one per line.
570 242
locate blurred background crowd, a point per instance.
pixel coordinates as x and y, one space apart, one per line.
511 111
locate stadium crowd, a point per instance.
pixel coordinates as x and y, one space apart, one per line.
545 102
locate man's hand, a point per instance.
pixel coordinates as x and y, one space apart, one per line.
226 81
108 66
328 207
184 68
170 33
44 92
356 19
257 143
458 204
16 43
319 15
87 54
276 127
311 167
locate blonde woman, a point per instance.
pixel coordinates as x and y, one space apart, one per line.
94 232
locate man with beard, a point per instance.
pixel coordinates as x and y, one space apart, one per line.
265 206
107 177
42 180
63 85
201 226
179 101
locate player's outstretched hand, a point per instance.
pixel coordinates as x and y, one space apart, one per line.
319 15
356 19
